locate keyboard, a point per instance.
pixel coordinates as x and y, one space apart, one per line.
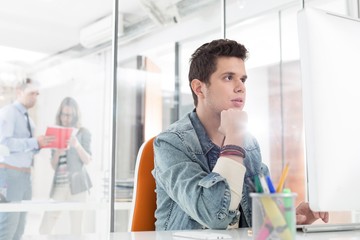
328 227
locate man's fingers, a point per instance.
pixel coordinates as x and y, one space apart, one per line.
324 216
300 219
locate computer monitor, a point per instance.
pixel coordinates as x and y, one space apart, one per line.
330 68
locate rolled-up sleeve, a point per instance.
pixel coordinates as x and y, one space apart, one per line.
234 173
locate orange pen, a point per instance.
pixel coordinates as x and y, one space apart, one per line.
282 178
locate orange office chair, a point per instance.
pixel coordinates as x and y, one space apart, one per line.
142 215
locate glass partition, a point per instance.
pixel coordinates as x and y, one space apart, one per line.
149 68
160 60
66 189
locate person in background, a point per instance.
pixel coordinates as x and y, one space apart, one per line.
203 159
17 135
71 180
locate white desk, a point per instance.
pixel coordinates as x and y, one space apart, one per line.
236 234
28 206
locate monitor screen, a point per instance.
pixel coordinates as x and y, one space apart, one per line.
330 67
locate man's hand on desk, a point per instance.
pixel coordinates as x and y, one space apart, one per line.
304 215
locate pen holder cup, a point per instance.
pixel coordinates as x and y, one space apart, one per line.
273 216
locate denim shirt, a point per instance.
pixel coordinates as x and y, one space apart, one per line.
189 194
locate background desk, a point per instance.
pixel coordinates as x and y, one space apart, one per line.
28 206
96 214
236 234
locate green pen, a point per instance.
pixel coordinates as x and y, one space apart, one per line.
288 209
258 186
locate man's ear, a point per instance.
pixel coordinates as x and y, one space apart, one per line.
196 86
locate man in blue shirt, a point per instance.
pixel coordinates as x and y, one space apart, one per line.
17 134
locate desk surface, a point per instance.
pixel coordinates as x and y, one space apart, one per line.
237 234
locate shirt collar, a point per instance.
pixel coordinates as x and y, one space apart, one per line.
205 141
20 107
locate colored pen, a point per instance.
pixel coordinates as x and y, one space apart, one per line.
288 205
282 178
270 184
258 186
264 184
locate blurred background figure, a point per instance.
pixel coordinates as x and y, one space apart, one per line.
17 136
71 181
4 151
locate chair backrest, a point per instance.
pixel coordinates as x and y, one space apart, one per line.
142 215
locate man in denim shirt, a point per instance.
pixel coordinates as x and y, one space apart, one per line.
201 161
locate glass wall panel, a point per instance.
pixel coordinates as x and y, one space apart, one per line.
149 67
273 94
44 41
274 87
153 79
276 61
261 38
274 105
